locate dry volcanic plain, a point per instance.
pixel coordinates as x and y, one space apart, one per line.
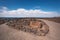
29 29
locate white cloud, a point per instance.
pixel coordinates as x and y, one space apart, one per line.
21 12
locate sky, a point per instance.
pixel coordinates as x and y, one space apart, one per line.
29 8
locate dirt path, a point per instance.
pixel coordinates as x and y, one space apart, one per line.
7 33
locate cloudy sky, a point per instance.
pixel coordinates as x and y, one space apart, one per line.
29 8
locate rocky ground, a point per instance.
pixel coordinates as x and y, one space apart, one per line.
7 33
34 26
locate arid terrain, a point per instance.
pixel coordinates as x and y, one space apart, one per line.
10 29
55 19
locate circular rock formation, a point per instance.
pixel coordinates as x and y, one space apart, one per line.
34 26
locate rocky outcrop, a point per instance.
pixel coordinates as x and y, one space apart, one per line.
33 26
